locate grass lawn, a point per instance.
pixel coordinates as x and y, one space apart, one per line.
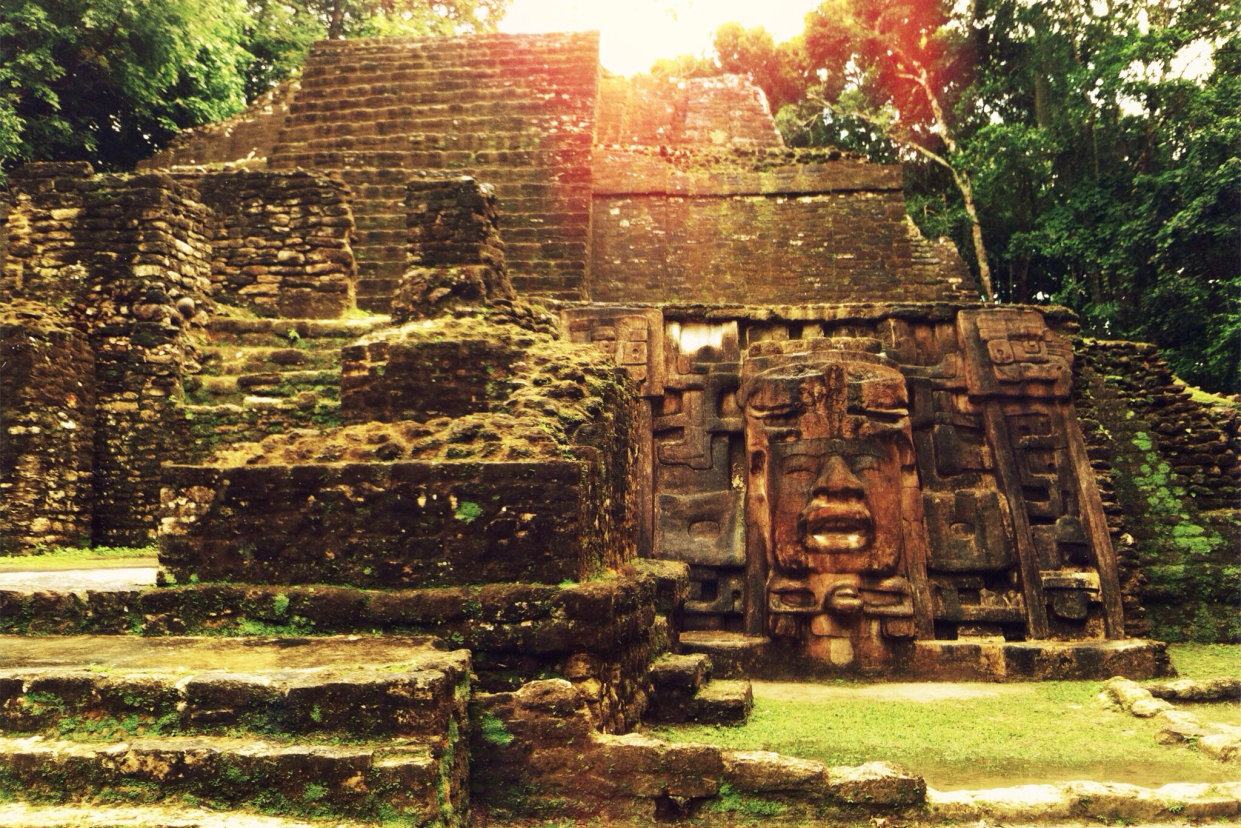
69 557
974 735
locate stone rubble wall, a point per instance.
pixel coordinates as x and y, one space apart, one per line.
729 231
47 429
455 252
535 752
280 242
126 258
1169 473
244 139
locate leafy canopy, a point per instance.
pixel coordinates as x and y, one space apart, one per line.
110 80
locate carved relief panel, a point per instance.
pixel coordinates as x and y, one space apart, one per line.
699 478
848 487
832 505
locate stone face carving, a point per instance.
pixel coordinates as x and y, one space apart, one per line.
847 487
830 460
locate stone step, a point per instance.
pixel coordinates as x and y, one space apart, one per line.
223 359
254 418
717 702
411 93
324 385
318 75
378 303
724 702
375 219
274 333
392 107
508 136
482 43
31 815
93 687
680 675
430 155
410 778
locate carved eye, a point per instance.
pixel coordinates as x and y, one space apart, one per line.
801 466
865 462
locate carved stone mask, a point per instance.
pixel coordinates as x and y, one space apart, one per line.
835 505
830 457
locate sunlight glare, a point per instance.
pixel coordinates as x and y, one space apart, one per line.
636 33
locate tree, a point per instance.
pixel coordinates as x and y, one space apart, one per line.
110 80
900 67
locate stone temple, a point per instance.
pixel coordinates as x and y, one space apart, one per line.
580 390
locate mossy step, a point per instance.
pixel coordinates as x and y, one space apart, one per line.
232 423
307 386
680 674
418 696
409 779
724 702
31 815
274 333
222 360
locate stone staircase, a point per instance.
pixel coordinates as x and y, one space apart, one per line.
684 692
265 376
342 727
520 117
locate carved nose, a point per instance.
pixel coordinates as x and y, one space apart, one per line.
836 479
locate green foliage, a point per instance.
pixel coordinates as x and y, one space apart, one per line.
71 557
975 736
468 511
494 731
110 81
733 801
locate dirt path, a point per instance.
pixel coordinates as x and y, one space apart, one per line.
919 692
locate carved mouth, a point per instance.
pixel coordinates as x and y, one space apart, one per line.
837 527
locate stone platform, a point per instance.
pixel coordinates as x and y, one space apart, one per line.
755 657
339 726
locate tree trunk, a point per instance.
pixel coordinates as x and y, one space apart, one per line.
962 180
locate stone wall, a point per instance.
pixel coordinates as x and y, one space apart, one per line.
380 524
722 229
726 110
280 242
1169 468
514 111
127 260
244 139
47 429
455 252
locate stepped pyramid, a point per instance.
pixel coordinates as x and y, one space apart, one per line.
517 113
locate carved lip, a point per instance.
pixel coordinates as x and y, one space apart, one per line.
837 527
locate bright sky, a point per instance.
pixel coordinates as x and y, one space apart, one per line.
635 33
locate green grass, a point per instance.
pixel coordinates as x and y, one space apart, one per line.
973 735
69 557
1203 661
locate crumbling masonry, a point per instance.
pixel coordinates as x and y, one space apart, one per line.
642 395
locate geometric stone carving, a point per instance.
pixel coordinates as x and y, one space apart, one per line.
832 503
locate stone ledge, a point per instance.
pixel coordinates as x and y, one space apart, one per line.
1107 801
738 656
